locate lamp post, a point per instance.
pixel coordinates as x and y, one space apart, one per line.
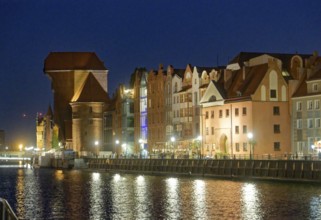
141 146
96 147
250 137
173 140
124 146
116 144
199 138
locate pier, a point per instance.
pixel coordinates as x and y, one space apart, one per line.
293 170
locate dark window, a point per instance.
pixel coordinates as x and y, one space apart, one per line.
221 114
276 110
244 146
227 113
212 114
244 129
212 130
236 112
273 93
237 129
277 146
244 110
206 115
276 129
237 147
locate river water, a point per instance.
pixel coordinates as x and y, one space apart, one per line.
79 194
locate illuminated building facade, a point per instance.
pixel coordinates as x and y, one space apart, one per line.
252 97
139 85
306 117
46 131
79 84
123 122
156 110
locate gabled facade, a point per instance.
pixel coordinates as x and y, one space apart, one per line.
156 110
251 97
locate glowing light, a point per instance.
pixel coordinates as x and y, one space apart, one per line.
116 177
96 176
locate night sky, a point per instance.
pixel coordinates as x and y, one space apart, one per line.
130 34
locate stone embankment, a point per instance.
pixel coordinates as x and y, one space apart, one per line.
291 170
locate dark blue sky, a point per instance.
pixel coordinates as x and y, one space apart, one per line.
129 34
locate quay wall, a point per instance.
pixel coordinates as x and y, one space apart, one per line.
292 170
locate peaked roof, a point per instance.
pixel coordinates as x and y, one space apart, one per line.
49 112
73 61
90 91
246 56
249 85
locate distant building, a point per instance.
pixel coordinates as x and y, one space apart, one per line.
47 131
79 84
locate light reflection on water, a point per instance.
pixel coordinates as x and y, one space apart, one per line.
57 194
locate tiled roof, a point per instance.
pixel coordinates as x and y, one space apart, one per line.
247 86
316 75
285 58
73 61
91 91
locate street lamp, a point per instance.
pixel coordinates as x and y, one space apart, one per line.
250 137
199 138
173 140
124 146
96 147
141 143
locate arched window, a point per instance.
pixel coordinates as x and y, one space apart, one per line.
212 98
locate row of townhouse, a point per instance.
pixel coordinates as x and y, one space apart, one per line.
259 104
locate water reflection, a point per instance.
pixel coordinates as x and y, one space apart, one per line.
173 202
251 202
28 190
121 198
142 210
199 199
50 194
96 201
